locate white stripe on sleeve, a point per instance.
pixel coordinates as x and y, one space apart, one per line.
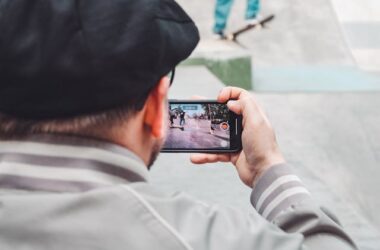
277 183
283 196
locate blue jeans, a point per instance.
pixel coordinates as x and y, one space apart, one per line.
223 8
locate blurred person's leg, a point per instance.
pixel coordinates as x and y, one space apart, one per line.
253 8
222 11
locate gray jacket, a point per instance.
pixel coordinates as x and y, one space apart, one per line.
74 193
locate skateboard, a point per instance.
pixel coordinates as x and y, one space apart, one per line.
178 126
261 23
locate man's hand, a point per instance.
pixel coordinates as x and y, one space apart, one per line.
260 149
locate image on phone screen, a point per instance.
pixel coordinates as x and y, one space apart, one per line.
198 126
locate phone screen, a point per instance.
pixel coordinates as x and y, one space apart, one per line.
199 126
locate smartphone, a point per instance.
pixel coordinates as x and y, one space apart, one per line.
202 126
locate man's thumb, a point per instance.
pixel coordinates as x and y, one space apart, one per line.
235 107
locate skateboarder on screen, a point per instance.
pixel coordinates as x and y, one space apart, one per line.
172 116
182 118
223 9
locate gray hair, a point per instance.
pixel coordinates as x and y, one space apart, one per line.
90 124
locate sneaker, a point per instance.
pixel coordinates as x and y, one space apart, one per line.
219 35
253 21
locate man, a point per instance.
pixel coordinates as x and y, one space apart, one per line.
83 113
182 118
172 116
223 9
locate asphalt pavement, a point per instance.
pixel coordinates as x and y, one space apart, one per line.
195 133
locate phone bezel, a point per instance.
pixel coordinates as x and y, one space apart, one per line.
235 138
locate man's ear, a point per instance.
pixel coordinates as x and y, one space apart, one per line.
155 107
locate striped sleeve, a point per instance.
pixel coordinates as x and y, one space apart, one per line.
276 191
281 198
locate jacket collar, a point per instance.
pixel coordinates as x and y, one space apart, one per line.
57 163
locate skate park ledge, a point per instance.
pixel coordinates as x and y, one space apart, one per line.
227 60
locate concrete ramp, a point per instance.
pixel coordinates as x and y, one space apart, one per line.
303 32
310 46
360 21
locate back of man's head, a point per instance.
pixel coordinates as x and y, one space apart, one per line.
85 65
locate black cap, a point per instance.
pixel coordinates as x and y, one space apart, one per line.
62 58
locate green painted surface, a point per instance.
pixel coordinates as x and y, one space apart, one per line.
236 71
